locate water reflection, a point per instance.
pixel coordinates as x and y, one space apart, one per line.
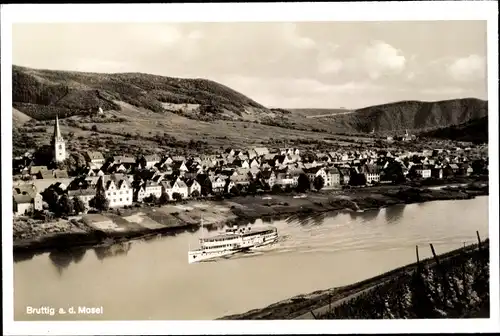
23 256
113 250
365 216
61 259
394 213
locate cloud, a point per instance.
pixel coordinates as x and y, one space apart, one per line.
381 58
300 92
293 38
327 61
162 34
468 68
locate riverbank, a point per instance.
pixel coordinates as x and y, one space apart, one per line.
398 293
36 236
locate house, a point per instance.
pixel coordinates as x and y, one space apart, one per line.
25 199
241 163
139 193
240 179
229 152
218 183
85 195
123 159
423 171
371 172
117 189
332 177
229 185
45 175
345 175
60 174
254 164
267 177
151 188
179 167
180 187
166 188
193 186
314 172
35 170
149 161
465 169
94 159
437 172
284 179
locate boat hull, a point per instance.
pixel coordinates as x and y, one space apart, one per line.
202 255
199 256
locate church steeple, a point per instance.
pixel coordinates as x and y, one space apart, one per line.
57 131
58 143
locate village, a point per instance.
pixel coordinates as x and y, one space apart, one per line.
123 181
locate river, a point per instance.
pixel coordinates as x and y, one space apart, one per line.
152 280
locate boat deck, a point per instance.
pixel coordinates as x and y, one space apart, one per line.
227 236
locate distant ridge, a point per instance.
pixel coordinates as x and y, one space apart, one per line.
414 115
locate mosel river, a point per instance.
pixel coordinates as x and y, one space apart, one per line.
151 279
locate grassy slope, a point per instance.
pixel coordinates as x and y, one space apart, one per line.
19 118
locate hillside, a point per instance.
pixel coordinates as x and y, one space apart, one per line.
413 115
475 131
153 113
19 118
42 93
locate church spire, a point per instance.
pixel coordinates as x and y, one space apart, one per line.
57 130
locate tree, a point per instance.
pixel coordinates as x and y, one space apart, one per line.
478 167
357 179
319 183
65 205
394 172
164 198
276 189
99 202
177 196
252 187
78 205
303 183
206 185
50 196
234 191
151 199
195 193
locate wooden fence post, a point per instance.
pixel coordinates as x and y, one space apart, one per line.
478 240
436 259
418 260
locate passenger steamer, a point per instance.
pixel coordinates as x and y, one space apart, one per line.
232 241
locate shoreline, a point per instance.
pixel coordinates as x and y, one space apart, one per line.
250 208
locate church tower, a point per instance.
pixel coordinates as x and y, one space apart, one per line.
58 144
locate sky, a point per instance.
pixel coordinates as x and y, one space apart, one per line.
287 65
